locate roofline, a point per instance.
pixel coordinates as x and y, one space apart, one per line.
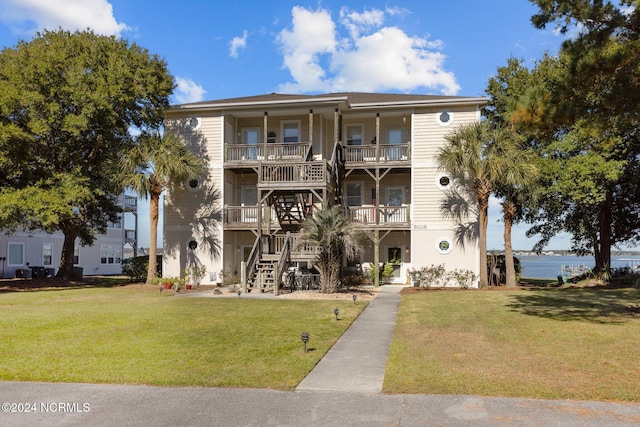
424 103
235 105
332 99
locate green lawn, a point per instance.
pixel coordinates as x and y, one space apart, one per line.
541 343
131 336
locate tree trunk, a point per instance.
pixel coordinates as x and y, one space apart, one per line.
508 210
65 271
603 252
154 202
483 218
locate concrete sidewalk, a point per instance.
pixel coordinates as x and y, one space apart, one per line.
98 405
356 363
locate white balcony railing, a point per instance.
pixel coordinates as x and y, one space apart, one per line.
273 152
382 215
377 154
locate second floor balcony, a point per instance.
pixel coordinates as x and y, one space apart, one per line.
373 154
246 217
354 155
252 153
380 216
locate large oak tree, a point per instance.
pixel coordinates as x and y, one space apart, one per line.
68 103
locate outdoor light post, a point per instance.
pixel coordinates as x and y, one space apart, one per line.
305 340
354 298
336 312
239 293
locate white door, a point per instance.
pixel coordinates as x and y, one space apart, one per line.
395 197
251 137
249 203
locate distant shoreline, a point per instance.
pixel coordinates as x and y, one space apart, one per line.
519 253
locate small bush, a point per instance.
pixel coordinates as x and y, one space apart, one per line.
228 278
353 280
136 268
462 278
429 276
438 276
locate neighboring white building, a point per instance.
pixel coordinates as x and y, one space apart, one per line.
22 253
275 158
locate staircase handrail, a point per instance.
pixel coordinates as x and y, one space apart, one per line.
282 261
309 156
337 166
254 256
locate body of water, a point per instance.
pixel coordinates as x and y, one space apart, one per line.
549 267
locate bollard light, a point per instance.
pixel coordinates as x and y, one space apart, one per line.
354 298
336 312
239 292
305 340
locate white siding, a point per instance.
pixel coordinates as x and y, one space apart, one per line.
428 224
187 212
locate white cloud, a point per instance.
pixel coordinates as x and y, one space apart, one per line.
25 17
237 43
188 91
370 57
357 22
313 34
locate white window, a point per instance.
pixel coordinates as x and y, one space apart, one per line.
117 224
443 181
15 254
110 254
193 123
290 132
444 245
395 136
444 118
354 193
395 195
47 253
354 135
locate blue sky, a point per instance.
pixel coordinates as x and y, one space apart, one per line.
217 49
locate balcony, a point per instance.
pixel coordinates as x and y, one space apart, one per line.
130 203
359 155
244 153
246 217
130 235
380 216
292 175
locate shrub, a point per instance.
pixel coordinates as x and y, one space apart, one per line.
463 278
353 280
384 273
429 276
229 278
136 268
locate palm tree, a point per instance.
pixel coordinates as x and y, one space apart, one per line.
472 154
514 185
331 232
154 162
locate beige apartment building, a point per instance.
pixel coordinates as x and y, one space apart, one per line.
274 159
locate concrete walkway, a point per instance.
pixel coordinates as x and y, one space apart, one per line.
356 363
